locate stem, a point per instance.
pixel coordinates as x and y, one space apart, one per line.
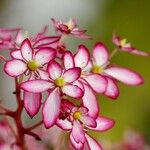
114 52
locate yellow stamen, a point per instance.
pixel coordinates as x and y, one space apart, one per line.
123 42
70 24
60 82
97 69
33 65
77 115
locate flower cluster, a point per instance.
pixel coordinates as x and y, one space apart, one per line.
43 64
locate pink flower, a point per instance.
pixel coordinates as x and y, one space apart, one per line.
122 44
70 28
60 82
77 121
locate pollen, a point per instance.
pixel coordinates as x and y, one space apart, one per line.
123 42
60 82
33 65
97 69
77 115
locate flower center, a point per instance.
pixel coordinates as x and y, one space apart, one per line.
77 115
33 65
97 69
123 42
60 82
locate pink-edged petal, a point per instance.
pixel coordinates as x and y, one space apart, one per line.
97 82
92 143
51 108
116 40
36 86
32 103
103 124
72 91
16 54
64 124
44 55
77 146
140 53
125 75
82 57
72 74
88 121
89 99
43 74
54 70
79 84
112 89
77 132
26 50
68 60
15 67
100 54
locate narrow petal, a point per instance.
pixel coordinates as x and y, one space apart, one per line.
89 99
32 103
15 67
82 57
88 121
36 86
68 60
78 146
44 55
16 54
54 69
26 50
72 74
125 75
112 89
92 143
78 133
97 82
100 54
64 124
140 53
51 108
72 91
103 124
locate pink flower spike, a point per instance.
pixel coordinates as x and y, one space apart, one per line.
100 54
82 57
15 67
125 75
36 86
51 108
92 143
103 124
32 103
26 50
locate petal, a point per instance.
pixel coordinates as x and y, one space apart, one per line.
72 91
26 50
103 124
82 57
77 132
54 69
92 143
89 99
100 54
15 67
68 60
51 108
36 86
78 146
97 82
88 121
125 75
140 53
72 74
64 124
43 74
16 54
44 55
112 89
32 103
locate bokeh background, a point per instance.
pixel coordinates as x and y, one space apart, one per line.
128 18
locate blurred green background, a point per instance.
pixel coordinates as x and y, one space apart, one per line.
128 18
